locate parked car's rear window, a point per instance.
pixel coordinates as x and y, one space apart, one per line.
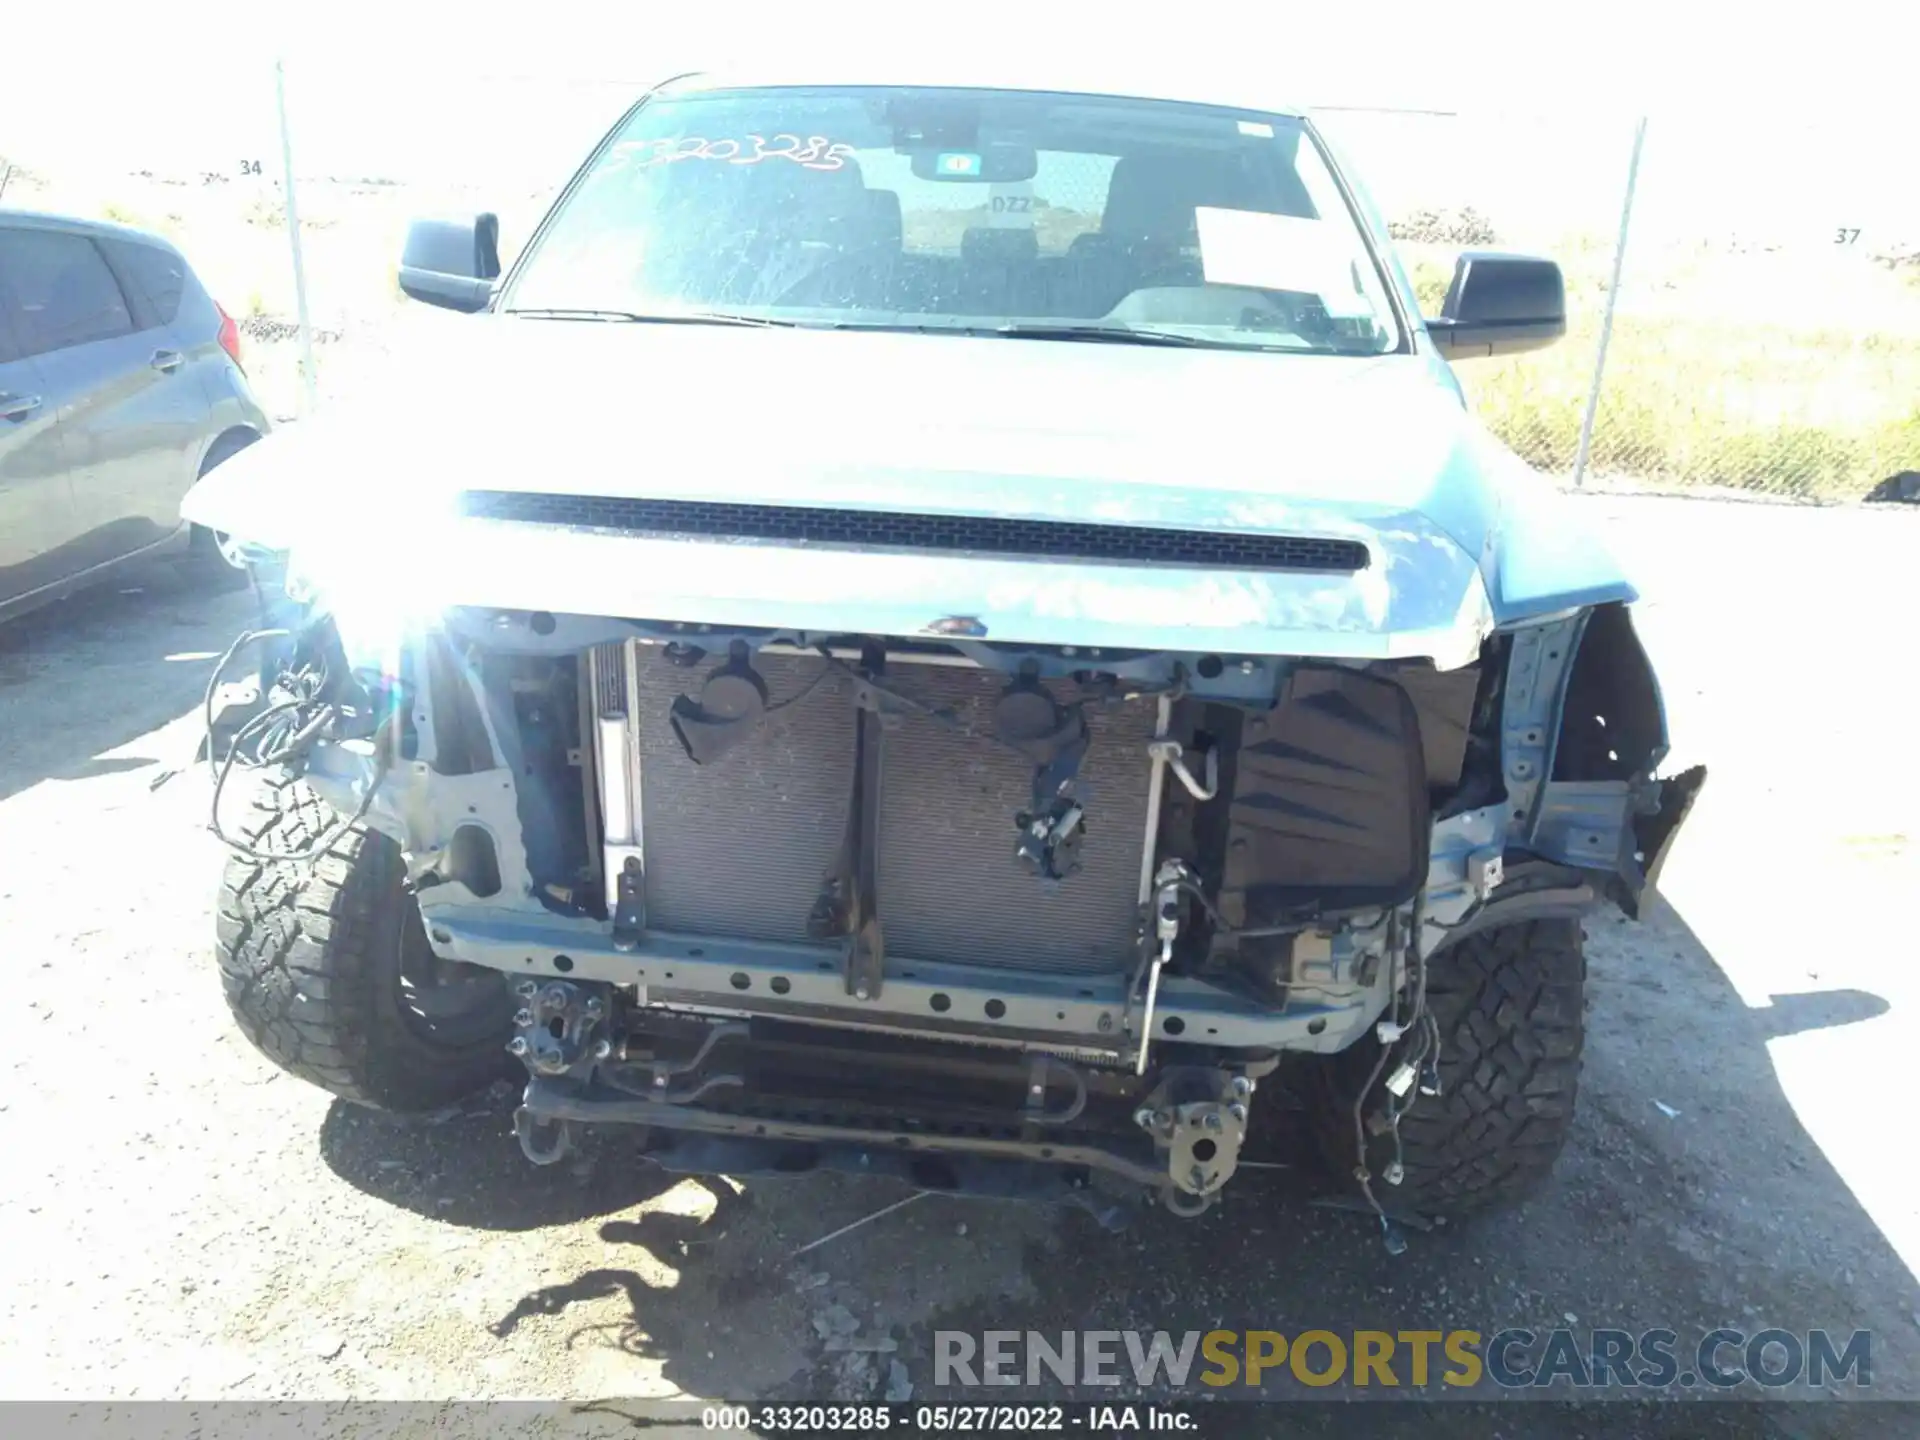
65 293
158 275
970 211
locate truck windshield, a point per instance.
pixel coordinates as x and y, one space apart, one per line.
976 211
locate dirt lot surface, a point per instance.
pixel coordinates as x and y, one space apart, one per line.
180 1220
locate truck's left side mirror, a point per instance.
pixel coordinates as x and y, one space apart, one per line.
452 263
1500 304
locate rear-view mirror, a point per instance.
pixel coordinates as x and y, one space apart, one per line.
1500 304
452 263
996 164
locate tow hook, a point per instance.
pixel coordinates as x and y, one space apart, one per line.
1198 1121
544 1142
557 1028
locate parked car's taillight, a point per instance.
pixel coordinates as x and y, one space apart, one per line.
229 334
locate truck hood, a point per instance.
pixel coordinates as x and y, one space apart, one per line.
1462 536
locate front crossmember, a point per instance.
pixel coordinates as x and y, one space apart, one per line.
753 1096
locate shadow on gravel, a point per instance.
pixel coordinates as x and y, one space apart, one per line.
1690 1197
464 1167
1723 1213
114 642
1814 1010
683 1241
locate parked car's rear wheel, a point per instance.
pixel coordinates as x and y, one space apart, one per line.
328 971
215 556
1509 1003
227 548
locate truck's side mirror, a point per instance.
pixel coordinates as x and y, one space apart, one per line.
452 263
1500 304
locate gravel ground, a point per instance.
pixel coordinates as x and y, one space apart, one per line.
179 1220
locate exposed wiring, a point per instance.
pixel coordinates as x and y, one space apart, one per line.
1261 932
241 642
1418 958
1258 932
277 736
953 722
1471 911
812 685
1175 689
1213 911
1421 1052
328 839
1360 1171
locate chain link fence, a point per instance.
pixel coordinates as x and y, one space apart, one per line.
1765 332
1764 336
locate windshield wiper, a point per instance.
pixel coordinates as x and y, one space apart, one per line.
1117 335
691 317
1111 334
1107 334
1098 334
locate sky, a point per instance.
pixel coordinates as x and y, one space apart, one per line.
1741 98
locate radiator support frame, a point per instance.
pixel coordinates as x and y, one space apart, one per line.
717 976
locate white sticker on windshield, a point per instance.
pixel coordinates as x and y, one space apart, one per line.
1010 205
1280 252
1259 129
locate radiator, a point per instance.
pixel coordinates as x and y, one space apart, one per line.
738 848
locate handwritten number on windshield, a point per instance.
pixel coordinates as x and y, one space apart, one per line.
814 152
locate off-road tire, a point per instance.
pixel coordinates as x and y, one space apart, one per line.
310 960
1510 1006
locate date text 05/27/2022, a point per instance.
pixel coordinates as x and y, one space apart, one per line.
963 1419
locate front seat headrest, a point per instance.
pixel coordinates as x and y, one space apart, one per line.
996 246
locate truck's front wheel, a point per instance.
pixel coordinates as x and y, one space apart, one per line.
328 971
1509 1005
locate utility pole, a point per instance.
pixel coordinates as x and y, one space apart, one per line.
293 238
1613 297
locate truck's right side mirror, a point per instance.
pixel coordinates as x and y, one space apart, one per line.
452 263
1500 304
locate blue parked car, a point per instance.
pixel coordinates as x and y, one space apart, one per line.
120 385
954 632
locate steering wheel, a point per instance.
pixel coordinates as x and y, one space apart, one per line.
1170 273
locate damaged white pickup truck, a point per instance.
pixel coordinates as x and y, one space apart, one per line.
947 631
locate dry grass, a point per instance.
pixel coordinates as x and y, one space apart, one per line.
1715 385
1697 404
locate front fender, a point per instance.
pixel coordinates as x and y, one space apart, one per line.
1543 558
1584 732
